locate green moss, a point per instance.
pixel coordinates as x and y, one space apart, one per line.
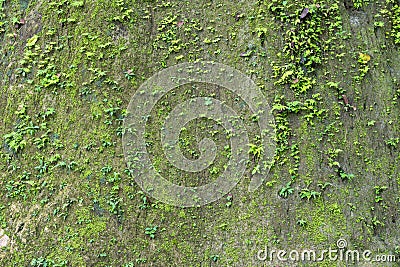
85 59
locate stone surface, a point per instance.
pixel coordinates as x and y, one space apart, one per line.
4 240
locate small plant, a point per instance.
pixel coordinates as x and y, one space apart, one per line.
42 167
151 231
107 169
42 262
229 200
69 166
129 74
395 33
41 142
256 150
270 183
214 170
323 186
214 258
345 176
375 223
145 201
378 193
393 142
301 222
309 194
140 260
262 34
15 141
49 112
363 60
359 3
77 3
286 190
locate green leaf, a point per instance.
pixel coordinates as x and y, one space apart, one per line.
285 76
77 4
32 41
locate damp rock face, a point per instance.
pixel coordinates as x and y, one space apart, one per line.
68 69
4 239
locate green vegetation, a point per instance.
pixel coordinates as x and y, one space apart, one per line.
329 70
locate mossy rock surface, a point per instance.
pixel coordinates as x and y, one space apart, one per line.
330 71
